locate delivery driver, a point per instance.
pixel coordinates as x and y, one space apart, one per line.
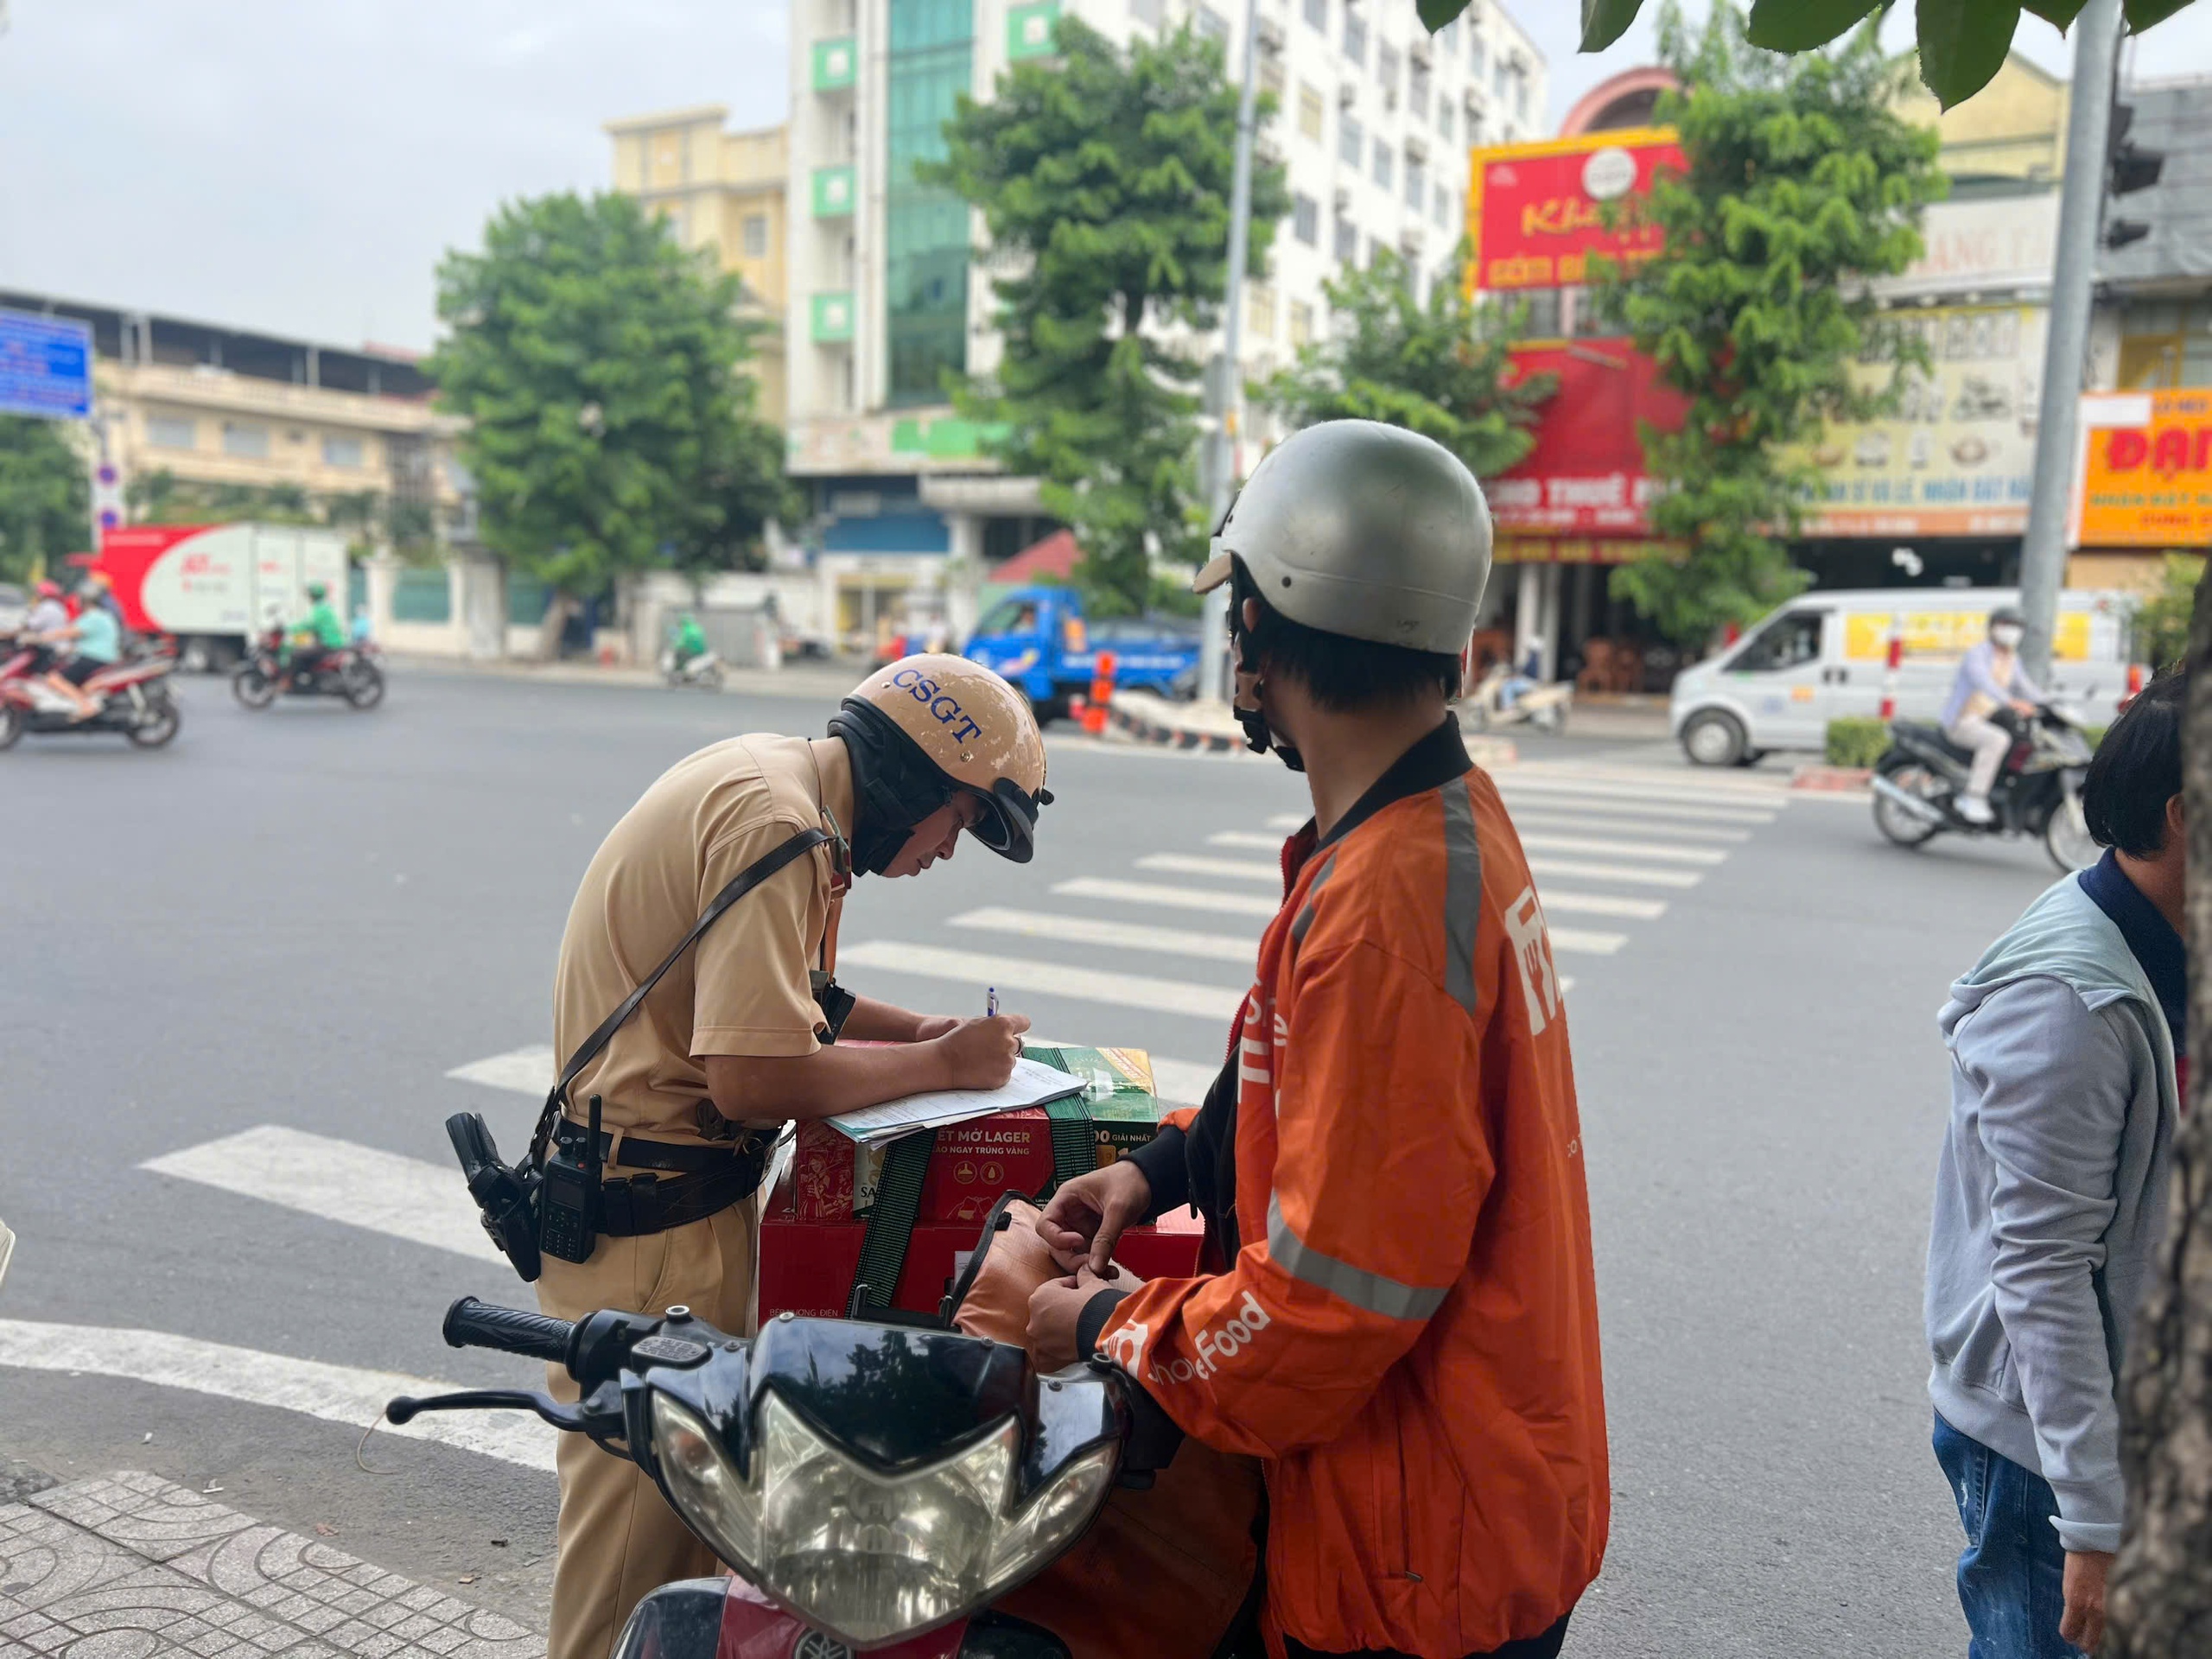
1403 1325
732 1038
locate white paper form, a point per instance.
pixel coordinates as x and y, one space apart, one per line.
1031 1084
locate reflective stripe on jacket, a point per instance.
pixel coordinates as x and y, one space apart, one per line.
1409 1333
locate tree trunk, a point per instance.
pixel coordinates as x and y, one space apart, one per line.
559 607
2161 1592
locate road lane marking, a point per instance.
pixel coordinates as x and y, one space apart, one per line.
1540 800
1702 783
526 1070
1573 822
1183 1082
337 1180
1126 936
1675 798
1583 942
1147 893
1602 904
1191 864
1625 848
336 1394
1246 838
1629 873
1047 978
1288 822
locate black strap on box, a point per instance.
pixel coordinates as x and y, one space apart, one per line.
890 1225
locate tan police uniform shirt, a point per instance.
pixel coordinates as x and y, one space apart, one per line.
744 988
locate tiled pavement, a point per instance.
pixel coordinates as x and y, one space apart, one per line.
132 1566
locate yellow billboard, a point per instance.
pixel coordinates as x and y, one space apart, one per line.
1958 456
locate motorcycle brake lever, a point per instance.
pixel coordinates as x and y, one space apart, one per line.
572 1418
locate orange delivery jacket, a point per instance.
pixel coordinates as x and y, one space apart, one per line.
1406 1336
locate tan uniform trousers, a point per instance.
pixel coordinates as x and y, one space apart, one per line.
617 1537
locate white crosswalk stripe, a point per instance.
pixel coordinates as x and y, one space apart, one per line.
1665 854
528 1070
1604 789
1045 978
1236 869
1525 821
1148 892
1246 838
1546 799
1635 874
1243 949
1564 903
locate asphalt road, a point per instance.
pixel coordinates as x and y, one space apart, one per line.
299 922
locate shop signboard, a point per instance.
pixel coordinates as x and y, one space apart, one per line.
1585 476
1537 211
2145 475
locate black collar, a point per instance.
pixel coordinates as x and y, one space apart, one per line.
1431 763
2150 937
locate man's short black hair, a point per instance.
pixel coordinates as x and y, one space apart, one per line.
1345 674
2137 770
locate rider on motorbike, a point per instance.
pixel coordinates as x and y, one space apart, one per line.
319 634
1990 678
99 639
45 629
688 641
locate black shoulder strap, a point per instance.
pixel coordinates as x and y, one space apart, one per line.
740 884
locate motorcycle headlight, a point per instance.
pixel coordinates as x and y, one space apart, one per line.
870 1557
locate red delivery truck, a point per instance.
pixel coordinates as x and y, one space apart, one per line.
210 588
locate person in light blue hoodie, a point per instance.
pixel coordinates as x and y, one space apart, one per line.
2067 1044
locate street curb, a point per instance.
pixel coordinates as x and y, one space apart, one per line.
1133 721
1831 779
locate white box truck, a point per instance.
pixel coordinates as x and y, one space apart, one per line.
209 587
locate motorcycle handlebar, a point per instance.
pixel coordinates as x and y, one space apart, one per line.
472 1324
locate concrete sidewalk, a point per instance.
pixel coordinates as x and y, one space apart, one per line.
133 1567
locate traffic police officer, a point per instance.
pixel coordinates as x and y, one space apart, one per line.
733 1039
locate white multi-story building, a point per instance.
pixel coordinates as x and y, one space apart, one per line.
889 282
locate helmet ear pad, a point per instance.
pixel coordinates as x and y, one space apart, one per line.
895 786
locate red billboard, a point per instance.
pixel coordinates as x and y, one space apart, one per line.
1585 476
1536 212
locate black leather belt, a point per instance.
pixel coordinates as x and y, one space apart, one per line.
634 1208
674 1157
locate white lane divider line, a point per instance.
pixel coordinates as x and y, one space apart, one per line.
1572 823
1625 848
337 1180
1288 822
1147 893
1125 936
1192 864
1602 904
1248 839
335 1394
1631 874
1047 978
526 1070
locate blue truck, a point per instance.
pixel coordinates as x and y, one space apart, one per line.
1039 639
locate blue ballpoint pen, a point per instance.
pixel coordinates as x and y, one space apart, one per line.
991 1002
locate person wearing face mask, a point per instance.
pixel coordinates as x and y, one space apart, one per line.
740 1035
1990 678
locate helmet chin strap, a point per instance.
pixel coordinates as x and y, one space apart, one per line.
1258 736
889 798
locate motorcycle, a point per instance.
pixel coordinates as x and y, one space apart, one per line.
1543 707
703 670
2038 790
350 672
133 694
872 1487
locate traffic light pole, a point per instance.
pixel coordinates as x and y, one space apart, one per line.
1217 460
2080 226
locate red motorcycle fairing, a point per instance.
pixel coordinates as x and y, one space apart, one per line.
755 1628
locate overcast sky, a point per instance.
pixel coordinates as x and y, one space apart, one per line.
300 165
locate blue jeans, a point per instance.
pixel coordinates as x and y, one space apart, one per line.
2012 1571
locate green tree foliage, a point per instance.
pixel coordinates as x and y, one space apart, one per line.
1801 183
1437 368
1963 43
2161 621
1104 176
45 496
611 424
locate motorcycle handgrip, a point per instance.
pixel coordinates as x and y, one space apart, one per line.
472 1324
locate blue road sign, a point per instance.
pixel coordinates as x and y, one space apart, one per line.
46 366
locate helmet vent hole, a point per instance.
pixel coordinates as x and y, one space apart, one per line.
1285 582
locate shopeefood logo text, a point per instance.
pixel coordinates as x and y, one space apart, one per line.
1213 1344
940 703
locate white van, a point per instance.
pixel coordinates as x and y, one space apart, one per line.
1826 655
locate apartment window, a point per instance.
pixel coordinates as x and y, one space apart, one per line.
1417 90
1309 112
1499 77
1317 13
1259 310
1272 79
1301 322
1444 116
1211 24
249 441
1478 54
1382 161
1355 37
1448 36
1347 247
344 452
173 431
1306 220
754 233
1416 183
1386 69
1441 211
1350 138
1520 95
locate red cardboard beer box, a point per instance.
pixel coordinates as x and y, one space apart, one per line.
972 1164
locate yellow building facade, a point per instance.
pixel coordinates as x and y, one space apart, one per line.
723 194
2010 134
